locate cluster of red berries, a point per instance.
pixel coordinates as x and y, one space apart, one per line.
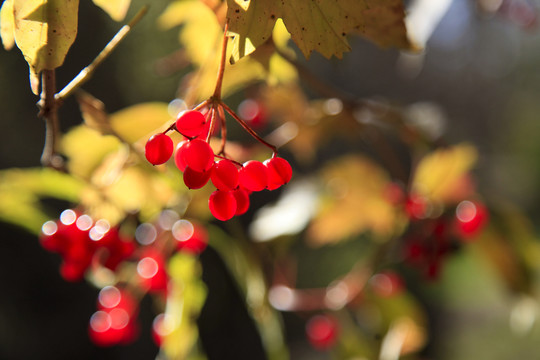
81 241
115 321
234 182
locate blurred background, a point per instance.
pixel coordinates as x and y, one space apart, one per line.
478 81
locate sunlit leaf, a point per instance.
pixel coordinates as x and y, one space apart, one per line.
184 302
21 189
140 121
442 176
201 33
320 25
86 149
353 202
7 24
44 31
117 9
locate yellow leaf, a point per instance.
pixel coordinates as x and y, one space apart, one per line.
45 30
140 121
353 203
86 149
443 175
7 24
117 9
320 25
201 33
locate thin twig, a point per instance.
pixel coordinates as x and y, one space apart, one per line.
88 71
248 129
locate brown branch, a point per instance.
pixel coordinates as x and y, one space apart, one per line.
48 110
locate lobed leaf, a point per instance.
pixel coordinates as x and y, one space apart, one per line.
44 32
117 9
320 25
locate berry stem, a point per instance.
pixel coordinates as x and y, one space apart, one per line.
221 114
217 91
249 129
212 123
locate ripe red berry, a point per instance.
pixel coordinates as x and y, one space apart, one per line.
252 112
196 179
198 155
191 237
179 157
322 331
470 218
253 175
158 149
151 271
225 175
279 172
222 204
242 201
191 123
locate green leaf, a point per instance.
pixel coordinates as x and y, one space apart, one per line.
7 25
320 25
117 9
184 303
44 32
21 189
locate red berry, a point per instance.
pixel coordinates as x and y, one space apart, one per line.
195 179
279 172
242 201
253 175
322 331
198 155
192 237
225 175
158 149
251 111
470 218
179 157
151 270
191 123
222 205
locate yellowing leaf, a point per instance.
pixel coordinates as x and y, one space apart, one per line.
354 202
45 30
201 33
140 121
86 149
7 24
320 25
443 175
117 9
